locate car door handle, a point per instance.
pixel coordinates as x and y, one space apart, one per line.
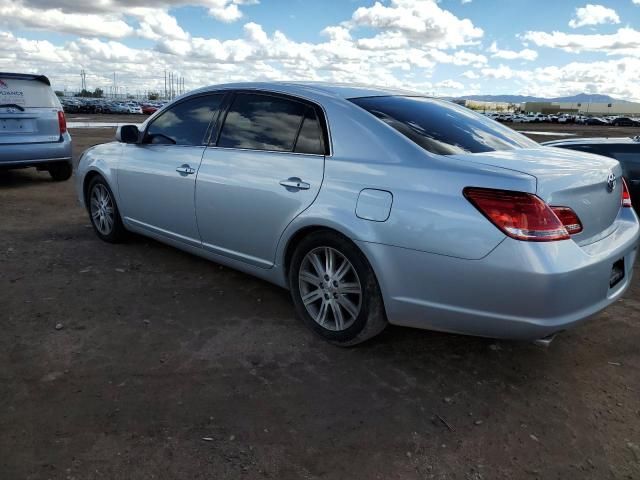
635 182
295 183
185 170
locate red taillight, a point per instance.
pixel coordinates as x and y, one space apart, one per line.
626 196
569 219
62 122
519 215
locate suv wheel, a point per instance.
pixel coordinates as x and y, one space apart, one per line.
335 290
60 171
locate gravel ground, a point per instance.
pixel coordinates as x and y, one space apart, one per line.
139 361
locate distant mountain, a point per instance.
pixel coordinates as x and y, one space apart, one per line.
581 98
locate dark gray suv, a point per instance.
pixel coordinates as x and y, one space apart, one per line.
33 128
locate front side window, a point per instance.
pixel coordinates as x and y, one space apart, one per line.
441 127
262 122
185 123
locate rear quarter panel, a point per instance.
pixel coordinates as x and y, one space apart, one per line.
429 212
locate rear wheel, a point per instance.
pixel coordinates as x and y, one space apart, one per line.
335 290
103 211
60 171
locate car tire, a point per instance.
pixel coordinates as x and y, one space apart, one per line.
349 318
60 171
102 206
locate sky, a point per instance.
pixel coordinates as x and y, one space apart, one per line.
544 48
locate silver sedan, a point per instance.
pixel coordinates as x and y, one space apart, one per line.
373 206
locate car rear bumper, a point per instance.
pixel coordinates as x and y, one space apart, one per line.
521 290
31 154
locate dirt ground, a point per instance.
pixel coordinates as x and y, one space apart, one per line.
169 366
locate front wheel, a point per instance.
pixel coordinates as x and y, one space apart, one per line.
103 212
335 290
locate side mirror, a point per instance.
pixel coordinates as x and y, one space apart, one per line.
128 134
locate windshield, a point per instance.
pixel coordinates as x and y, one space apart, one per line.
443 127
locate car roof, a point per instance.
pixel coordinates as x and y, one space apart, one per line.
338 90
594 141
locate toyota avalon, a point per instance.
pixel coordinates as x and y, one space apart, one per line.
373 206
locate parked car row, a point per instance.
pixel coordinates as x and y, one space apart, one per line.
93 105
565 118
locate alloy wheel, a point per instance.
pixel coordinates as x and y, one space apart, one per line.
102 212
330 288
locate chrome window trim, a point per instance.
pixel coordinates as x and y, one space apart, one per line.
267 151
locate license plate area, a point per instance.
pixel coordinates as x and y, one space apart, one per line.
617 273
16 125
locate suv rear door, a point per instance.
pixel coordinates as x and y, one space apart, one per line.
28 110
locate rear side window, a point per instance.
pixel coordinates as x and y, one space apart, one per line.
262 122
310 136
441 127
27 93
185 123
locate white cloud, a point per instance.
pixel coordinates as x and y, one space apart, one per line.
524 54
420 21
501 72
108 18
227 10
158 25
449 85
384 41
613 77
396 43
626 41
593 15
105 25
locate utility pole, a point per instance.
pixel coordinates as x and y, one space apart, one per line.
83 76
165 84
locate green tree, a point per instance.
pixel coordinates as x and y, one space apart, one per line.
59 93
97 93
154 95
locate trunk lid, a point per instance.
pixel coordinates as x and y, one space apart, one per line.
567 178
28 111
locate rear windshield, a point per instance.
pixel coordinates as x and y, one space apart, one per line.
443 127
27 93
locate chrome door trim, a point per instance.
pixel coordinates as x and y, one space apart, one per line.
165 233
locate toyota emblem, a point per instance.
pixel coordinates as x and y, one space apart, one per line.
611 182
